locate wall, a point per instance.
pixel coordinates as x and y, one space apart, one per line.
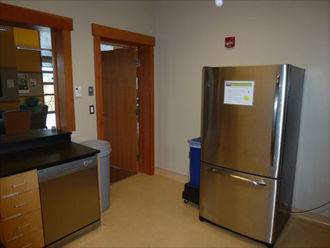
133 16
190 35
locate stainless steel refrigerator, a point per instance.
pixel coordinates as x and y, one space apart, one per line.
250 130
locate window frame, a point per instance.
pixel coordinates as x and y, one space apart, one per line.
49 83
61 28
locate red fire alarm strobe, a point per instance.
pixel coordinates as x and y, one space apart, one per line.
230 42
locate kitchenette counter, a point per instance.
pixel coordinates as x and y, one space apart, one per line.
27 195
39 150
42 157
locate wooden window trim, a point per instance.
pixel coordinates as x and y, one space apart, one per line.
145 45
11 13
61 38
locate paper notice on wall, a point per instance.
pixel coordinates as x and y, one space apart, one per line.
239 92
10 83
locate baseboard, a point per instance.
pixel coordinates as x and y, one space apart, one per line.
170 174
312 217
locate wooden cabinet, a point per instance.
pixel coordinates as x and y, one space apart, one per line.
20 211
27 60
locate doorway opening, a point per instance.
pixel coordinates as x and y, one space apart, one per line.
120 70
144 130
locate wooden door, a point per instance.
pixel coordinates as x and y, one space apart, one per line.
119 106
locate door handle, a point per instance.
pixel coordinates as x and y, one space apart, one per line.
272 141
257 183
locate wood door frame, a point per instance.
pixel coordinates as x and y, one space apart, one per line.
145 45
61 28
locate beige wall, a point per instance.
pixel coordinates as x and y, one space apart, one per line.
133 16
190 35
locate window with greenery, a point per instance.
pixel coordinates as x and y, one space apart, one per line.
48 77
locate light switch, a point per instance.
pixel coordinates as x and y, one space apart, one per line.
90 90
77 91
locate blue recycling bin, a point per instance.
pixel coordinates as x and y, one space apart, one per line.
195 158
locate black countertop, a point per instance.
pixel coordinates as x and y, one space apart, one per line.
34 134
40 156
49 148
32 139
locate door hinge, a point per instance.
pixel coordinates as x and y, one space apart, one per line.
138 111
138 157
137 62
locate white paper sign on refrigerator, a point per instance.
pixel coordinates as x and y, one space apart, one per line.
239 92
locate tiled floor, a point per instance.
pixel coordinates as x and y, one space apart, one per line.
147 211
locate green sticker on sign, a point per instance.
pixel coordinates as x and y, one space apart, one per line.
239 92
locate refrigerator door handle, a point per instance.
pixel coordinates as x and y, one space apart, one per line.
272 149
258 183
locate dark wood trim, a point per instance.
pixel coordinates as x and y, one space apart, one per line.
61 37
146 77
122 36
98 87
55 73
11 13
64 79
145 46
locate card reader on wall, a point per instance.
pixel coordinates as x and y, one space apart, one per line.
77 91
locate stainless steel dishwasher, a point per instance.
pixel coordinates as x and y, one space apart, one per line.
69 200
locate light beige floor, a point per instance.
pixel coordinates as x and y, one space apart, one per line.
148 211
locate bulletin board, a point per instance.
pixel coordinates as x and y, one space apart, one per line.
30 84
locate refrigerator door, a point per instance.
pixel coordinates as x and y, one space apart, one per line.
238 201
238 135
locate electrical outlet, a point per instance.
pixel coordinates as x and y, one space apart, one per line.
91 109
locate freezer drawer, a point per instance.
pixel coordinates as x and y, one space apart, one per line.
240 202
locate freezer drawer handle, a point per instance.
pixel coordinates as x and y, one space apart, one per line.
274 120
258 183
